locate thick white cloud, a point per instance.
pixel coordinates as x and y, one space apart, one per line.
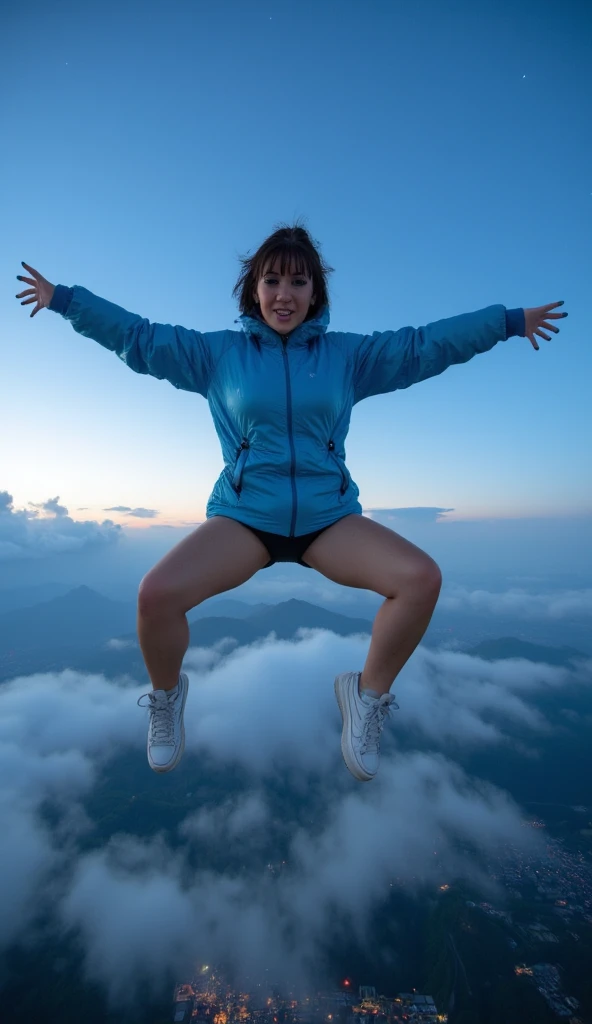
233 818
142 914
45 715
27 857
139 906
518 603
284 691
24 534
130 907
32 771
453 697
404 830
52 505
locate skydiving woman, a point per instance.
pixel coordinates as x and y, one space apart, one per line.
281 391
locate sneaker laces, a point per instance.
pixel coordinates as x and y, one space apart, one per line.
376 712
162 717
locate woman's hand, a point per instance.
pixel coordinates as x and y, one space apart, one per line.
41 292
535 319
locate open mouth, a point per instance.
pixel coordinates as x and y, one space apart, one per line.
283 314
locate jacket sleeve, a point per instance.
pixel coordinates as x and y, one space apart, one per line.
392 360
183 357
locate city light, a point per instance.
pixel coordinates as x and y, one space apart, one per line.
208 998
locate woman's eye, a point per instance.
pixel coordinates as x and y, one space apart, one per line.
300 281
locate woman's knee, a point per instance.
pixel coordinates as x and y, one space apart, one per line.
424 580
155 595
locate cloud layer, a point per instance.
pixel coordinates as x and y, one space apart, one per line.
268 710
518 603
139 513
26 534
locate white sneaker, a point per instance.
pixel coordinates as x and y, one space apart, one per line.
166 732
363 719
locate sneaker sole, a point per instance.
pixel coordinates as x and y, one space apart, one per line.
173 764
350 762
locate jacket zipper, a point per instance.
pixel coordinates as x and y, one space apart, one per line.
241 457
344 480
291 436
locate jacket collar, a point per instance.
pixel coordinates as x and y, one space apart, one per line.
256 328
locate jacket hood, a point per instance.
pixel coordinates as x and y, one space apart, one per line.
256 328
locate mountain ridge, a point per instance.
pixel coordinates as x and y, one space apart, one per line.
73 630
507 647
82 615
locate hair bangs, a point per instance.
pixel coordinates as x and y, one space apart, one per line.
292 260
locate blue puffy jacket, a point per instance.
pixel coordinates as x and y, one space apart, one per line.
282 408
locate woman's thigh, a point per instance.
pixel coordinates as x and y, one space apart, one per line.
218 556
358 552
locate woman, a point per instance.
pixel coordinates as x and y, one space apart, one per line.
281 391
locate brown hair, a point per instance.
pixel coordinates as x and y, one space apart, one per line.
294 247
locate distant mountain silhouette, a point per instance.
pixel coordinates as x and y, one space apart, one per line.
227 606
472 627
511 647
283 619
80 617
25 597
72 632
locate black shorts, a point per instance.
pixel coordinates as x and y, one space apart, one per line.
287 549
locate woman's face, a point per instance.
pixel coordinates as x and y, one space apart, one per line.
284 300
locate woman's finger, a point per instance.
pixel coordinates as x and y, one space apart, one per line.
27 280
29 291
550 327
35 273
541 334
36 310
26 302
532 341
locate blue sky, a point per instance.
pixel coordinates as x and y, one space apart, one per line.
440 152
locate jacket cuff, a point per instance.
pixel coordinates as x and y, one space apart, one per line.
61 299
515 323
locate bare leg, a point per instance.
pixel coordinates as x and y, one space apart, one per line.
358 552
218 556
398 627
164 639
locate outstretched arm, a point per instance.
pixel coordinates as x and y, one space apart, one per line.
181 356
394 360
